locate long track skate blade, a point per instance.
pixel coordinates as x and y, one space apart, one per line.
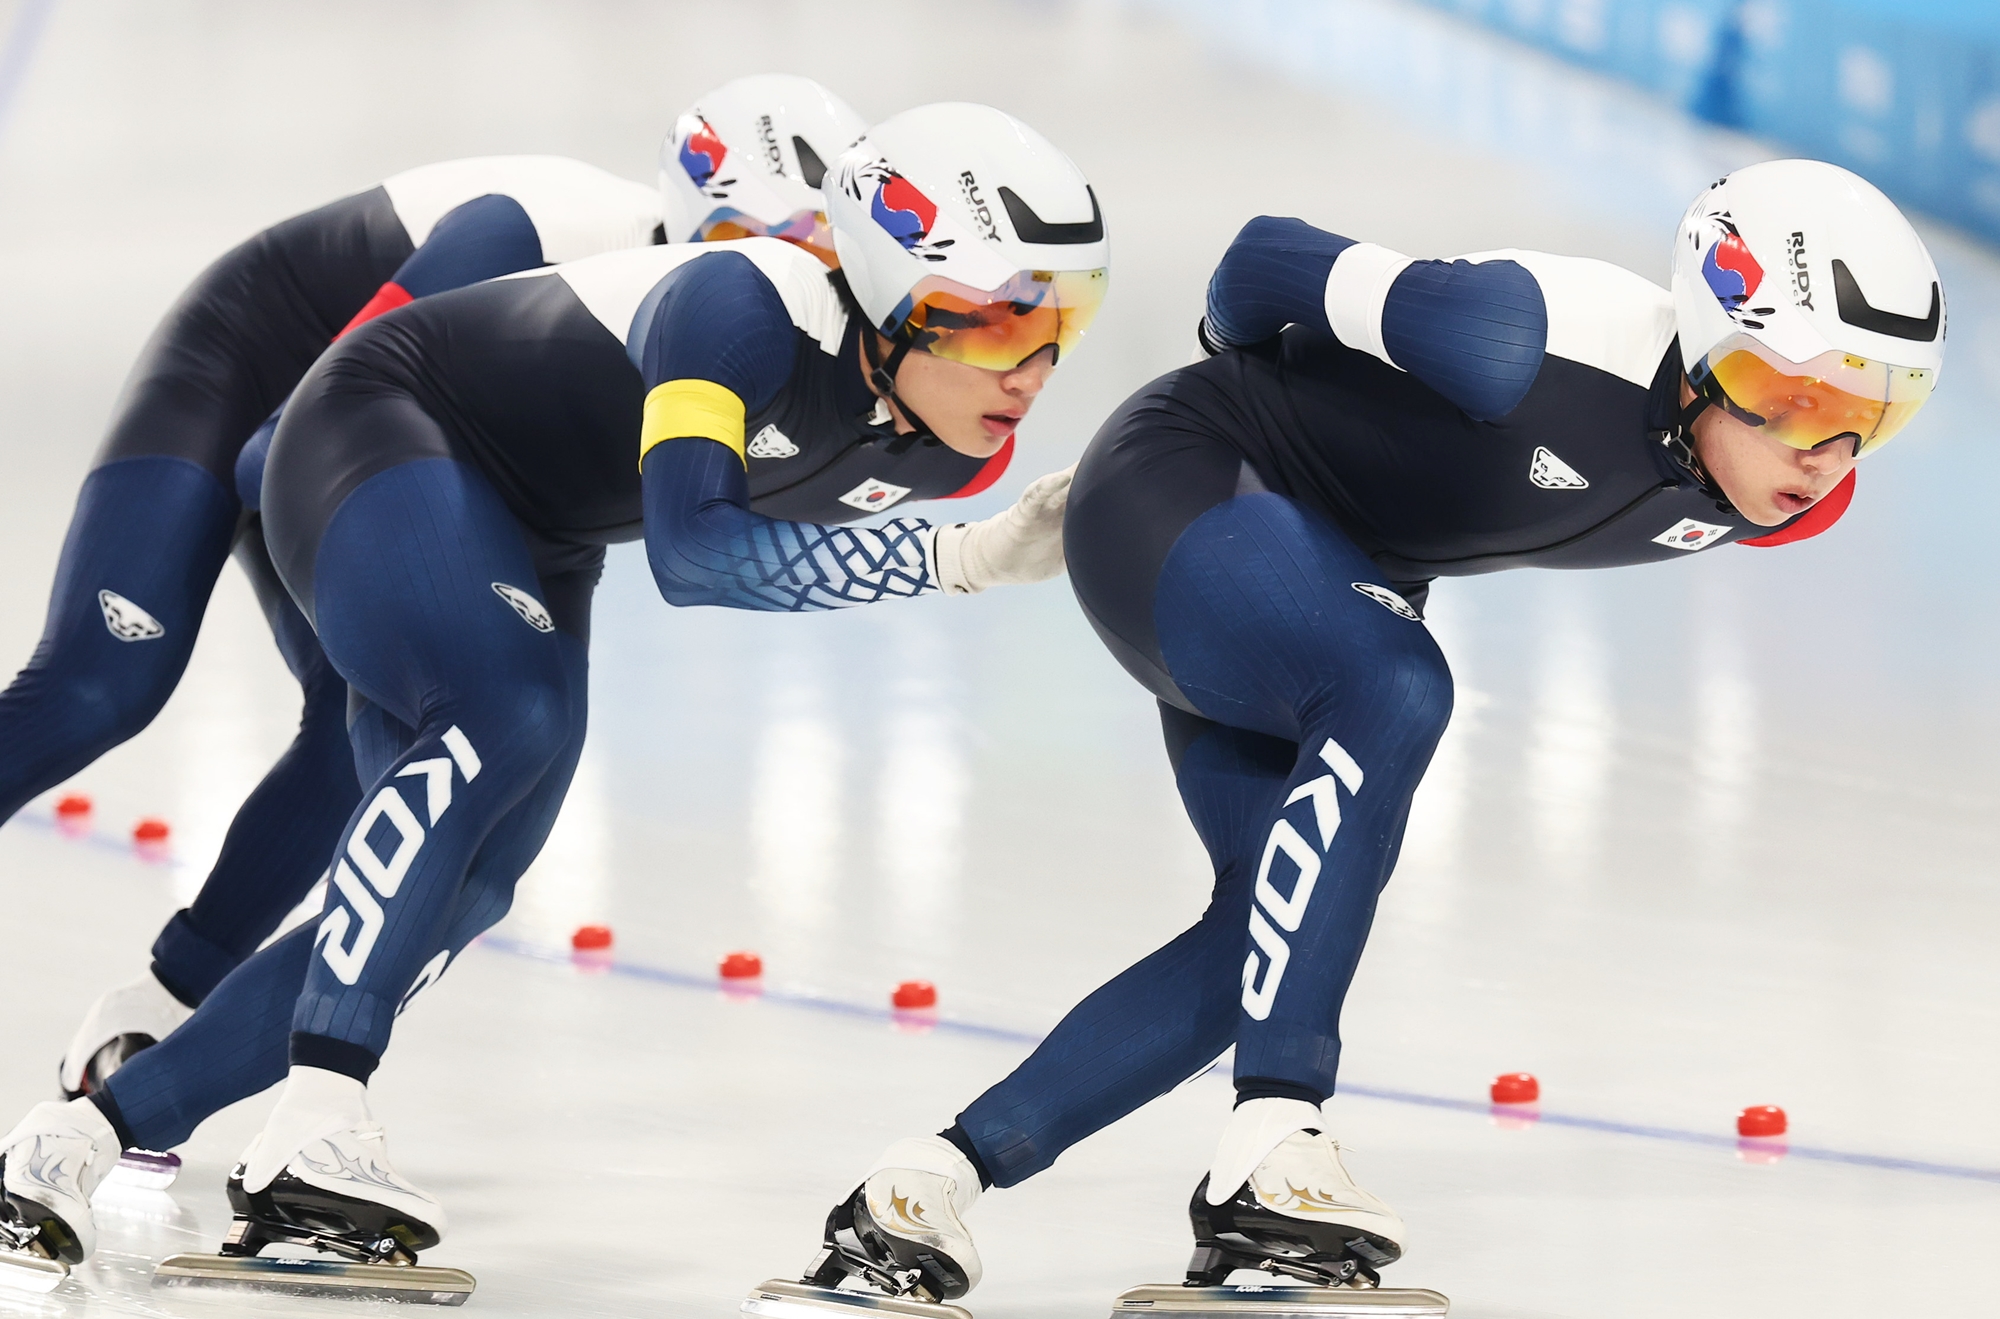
412 1283
145 1171
21 1271
778 1299
1279 1302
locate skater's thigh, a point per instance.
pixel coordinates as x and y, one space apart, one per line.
1150 471
143 550
1269 616
420 582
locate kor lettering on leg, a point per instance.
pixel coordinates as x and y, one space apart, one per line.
383 878
1272 912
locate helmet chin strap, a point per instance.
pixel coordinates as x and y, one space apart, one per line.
882 376
1680 443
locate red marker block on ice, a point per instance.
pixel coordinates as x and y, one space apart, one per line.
150 830
1763 1122
68 808
914 994
591 938
741 966
1516 1088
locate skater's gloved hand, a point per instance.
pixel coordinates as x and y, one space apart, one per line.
1023 544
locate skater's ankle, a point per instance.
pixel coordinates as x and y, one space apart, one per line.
331 1055
1265 1087
956 1134
105 1104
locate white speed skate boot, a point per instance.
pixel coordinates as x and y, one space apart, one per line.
901 1232
121 1022
50 1165
1278 1200
318 1175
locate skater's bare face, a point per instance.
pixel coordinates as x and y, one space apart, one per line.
971 409
1767 479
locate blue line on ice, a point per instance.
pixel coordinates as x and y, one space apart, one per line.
812 1002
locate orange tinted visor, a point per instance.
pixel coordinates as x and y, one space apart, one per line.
808 229
1835 395
998 329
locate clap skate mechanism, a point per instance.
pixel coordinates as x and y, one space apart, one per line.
28 1262
908 1279
1242 1233
374 1249
778 1299
1329 1270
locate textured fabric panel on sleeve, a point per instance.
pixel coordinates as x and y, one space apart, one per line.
707 548
1474 333
1273 275
719 319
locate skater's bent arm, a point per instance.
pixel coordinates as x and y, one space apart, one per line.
719 346
1475 331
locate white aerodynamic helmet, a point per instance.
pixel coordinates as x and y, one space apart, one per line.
964 233
1807 305
746 160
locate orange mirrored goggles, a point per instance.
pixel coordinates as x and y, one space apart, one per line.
1805 404
808 229
998 329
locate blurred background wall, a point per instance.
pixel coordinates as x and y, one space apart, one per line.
1905 92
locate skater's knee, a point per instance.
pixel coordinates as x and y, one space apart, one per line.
1418 686
522 725
1402 687
90 707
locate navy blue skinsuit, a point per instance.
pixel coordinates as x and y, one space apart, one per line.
438 499
1252 536
162 509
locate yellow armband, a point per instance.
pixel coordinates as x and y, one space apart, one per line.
681 409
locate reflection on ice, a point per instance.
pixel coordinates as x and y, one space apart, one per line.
1573 737
795 807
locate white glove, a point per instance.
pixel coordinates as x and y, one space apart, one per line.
1023 544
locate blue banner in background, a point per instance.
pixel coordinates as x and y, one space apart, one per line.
1905 92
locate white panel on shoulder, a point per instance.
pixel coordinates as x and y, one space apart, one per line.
1600 315
578 210
1356 289
613 285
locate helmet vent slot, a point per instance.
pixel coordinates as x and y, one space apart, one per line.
811 168
1032 228
1854 309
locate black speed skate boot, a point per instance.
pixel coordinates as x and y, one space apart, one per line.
1279 1201
319 1176
899 1234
